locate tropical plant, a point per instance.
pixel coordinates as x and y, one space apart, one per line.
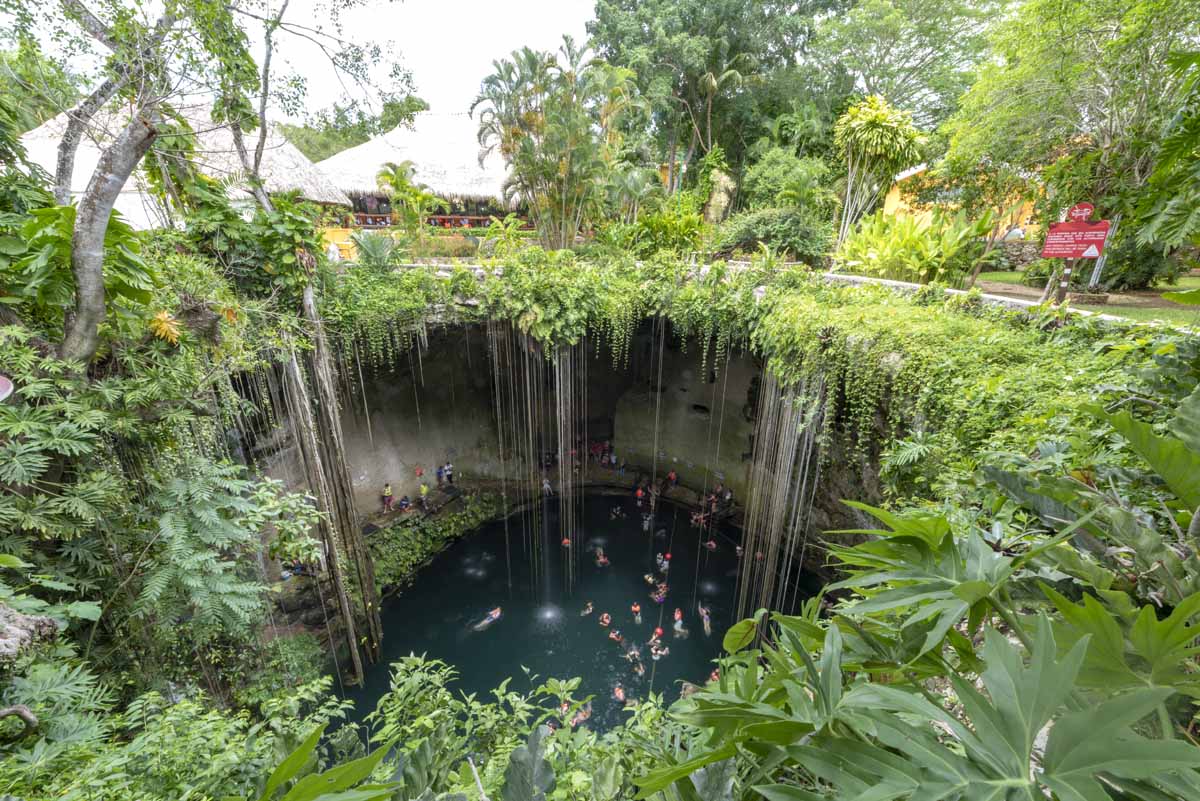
944 248
876 141
374 251
554 119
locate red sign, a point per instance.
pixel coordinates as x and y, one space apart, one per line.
1075 240
1080 212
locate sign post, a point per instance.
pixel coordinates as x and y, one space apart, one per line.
1077 238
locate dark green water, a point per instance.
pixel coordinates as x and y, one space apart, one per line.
541 627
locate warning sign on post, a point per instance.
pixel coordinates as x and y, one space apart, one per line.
1075 240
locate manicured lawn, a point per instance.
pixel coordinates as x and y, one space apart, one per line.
1002 276
1183 315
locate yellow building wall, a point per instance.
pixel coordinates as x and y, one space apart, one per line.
894 205
341 238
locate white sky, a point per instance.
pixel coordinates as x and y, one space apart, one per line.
448 45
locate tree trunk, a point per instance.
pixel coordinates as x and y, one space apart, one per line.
340 502
672 153
77 120
116 164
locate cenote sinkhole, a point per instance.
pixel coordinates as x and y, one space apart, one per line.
541 627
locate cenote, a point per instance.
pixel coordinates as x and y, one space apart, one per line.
541 630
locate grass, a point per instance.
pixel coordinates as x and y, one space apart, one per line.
1181 315
1002 276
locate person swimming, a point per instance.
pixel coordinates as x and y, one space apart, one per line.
639 668
601 559
615 636
583 714
633 654
491 618
656 637
587 609
711 544
706 618
605 619
616 513
637 612
566 542
739 551
646 521
619 693
649 578
715 676
680 631
658 651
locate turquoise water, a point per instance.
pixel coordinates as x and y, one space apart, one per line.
541 628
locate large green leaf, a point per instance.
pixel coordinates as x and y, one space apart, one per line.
662 778
529 776
293 764
1176 463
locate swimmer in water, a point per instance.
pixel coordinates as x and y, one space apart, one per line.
601 559
619 693
658 651
605 619
566 542
649 577
738 550
633 654
637 612
582 715
711 544
706 617
491 618
715 676
680 631
639 668
655 638
615 636
587 609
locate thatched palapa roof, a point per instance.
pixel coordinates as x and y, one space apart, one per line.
444 150
284 168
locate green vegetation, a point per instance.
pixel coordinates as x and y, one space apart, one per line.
402 547
1015 618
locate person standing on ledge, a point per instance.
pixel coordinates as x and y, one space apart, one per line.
449 472
386 497
441 474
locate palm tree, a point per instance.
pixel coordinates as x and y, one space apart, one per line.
395 179
877 140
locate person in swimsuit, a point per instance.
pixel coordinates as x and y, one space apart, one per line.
680 631
587 609
637 612
615 636
605 619
706 618
601 559
491 618
619 693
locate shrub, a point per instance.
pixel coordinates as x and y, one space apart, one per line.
942 248
796 232
670 230
781 178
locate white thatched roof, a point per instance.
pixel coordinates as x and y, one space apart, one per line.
444 150
284 168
